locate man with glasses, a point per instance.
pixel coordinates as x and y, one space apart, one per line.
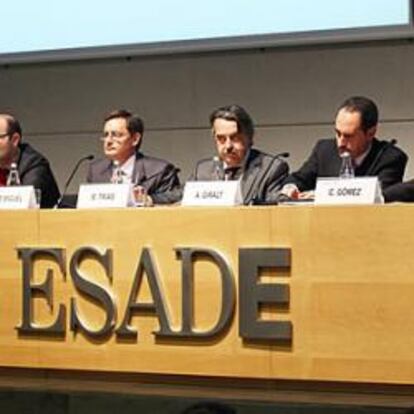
355 130
154 179
33 167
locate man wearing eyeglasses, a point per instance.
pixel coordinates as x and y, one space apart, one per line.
154 179
33 167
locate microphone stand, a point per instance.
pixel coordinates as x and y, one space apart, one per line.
69 180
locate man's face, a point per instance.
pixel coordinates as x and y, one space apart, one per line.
8 143
232 145
119 143
349 133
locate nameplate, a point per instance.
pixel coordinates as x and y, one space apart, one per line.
212 193
360 190
17 197
105 196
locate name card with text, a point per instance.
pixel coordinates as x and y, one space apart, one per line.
18 197
212 193
105 196
359 190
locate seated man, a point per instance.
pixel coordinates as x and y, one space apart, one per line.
261 174
33 167
355 128
122 137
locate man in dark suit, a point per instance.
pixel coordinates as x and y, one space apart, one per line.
355 128
33 167
260 174
154 179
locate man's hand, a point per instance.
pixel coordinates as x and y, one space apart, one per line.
307 195
291 191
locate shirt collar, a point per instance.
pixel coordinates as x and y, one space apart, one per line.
127 168
359 160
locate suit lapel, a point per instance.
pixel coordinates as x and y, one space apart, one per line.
105 171
365 167
329 161
139 170
250 174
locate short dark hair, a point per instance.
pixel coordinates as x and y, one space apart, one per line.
134 123
239 115
209 408
365 106
13 125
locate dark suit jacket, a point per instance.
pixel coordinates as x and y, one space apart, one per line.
400 192
262 176
384 160
159 177
34 169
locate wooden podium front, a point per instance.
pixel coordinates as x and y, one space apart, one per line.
349 288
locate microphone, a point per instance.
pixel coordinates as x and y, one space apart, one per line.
282 154
218 171
69 180
255 198
385 148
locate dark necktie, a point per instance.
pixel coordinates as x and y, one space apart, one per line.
232 173
3 176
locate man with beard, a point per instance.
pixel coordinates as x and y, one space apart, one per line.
355 129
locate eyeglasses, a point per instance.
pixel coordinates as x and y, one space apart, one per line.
114 135
4 135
